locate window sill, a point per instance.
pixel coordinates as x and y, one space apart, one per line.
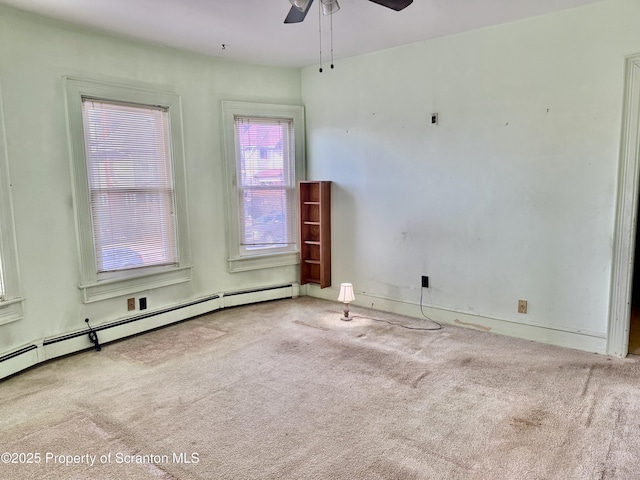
11 310
256 262
112 288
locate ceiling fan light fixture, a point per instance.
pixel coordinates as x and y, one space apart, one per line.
300 4
329 7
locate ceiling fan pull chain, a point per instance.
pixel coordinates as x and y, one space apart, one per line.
331 41
320 33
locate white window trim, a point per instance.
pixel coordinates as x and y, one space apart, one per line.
231 110
11 305
127 281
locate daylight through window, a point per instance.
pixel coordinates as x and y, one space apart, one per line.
130 185
266 183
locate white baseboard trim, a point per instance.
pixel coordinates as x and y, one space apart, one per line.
50 348
561 336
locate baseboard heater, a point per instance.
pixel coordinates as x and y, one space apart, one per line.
257 295
77 341
17 353
16 361
125 321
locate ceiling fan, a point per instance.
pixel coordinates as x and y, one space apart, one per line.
301 7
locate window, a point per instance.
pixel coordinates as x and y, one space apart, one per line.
264 148
129 185
265 183
10 297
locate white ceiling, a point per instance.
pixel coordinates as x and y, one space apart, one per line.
253 30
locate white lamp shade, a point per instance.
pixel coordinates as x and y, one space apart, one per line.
346 293
300 4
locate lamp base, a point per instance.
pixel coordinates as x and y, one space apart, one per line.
345 310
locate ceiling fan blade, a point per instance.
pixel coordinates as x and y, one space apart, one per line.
296 16
396 5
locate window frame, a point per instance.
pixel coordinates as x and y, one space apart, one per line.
95 286
11 300
240 259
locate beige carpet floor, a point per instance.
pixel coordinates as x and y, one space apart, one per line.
285 390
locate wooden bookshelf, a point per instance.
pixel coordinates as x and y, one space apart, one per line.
315 232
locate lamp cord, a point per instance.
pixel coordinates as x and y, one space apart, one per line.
401 325
423 314
438 327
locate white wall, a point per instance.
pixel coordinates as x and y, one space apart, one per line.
35 53
511 196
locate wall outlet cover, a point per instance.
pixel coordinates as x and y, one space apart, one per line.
522 306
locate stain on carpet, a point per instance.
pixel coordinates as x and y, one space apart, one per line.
368 360
418 448
162 345
416 382
530 419
298 322
587 382
72 447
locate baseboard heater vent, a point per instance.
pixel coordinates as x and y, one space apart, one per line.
77 341
126 327
266 289
17 353
125 321
19 360
243 297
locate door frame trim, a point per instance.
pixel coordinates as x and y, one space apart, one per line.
626 215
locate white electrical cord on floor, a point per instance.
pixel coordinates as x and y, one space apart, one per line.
439 326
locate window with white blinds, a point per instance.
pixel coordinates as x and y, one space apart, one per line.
129 184
266 183
264 160
131 193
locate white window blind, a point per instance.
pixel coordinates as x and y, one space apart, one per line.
130 185
265 182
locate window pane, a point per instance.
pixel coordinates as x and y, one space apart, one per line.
263 153
266 182
266 218
130 185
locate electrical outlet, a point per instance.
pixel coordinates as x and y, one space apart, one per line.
143 303
522 306
131 304
425 281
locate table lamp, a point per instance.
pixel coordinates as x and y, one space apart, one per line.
346 296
